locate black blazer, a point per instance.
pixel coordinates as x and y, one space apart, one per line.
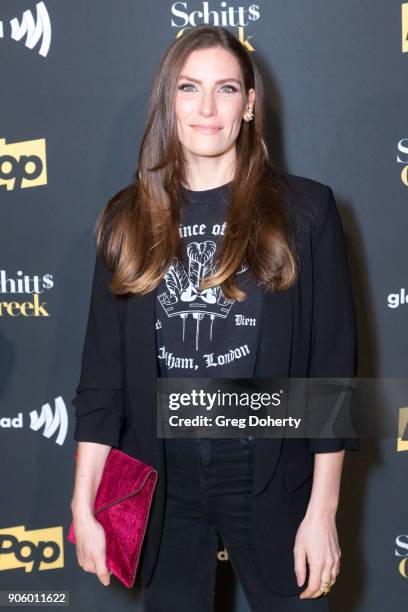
308 330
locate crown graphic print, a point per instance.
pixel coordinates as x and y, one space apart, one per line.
183 297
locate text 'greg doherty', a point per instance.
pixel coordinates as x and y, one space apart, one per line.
241 423
206 400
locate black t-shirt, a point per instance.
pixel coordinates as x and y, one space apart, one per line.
204 334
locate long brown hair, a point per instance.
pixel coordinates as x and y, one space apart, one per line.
138 230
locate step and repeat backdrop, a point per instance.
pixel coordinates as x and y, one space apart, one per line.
75 79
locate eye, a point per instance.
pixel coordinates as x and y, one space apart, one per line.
185 85
230 87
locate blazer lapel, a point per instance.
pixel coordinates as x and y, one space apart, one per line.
142 371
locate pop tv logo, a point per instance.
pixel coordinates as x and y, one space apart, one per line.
402 439
23 283
23 164
34 550
404 15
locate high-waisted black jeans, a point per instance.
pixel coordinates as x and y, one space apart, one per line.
210 490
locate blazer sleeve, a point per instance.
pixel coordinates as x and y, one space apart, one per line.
334 333
98 401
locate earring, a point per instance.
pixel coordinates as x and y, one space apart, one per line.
249 114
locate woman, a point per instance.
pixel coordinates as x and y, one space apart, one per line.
211 249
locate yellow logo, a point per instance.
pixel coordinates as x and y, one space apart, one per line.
24 309
402 445
23 164
404 11
36 550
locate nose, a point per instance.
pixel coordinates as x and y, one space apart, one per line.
207 106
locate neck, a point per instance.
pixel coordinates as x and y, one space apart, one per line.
204 173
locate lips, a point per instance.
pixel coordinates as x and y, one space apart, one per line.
207 129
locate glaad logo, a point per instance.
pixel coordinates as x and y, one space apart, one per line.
238 17
51 422
402 440
404 14
402 551
22 164
397 299
403 148
35 550
32 30
24 284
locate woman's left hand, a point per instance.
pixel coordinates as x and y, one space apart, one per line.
317 544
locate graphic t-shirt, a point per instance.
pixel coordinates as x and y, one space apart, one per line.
202 333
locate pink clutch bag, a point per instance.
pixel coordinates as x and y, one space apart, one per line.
122 506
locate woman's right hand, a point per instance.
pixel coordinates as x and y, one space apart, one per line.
91 547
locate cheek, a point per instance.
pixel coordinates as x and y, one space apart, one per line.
232 112
234 124
183 108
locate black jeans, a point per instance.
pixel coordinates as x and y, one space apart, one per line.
210 490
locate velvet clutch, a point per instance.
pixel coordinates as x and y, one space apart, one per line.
122 506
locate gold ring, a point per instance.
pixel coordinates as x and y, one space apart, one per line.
325 587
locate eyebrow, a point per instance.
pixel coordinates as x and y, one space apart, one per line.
183 76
